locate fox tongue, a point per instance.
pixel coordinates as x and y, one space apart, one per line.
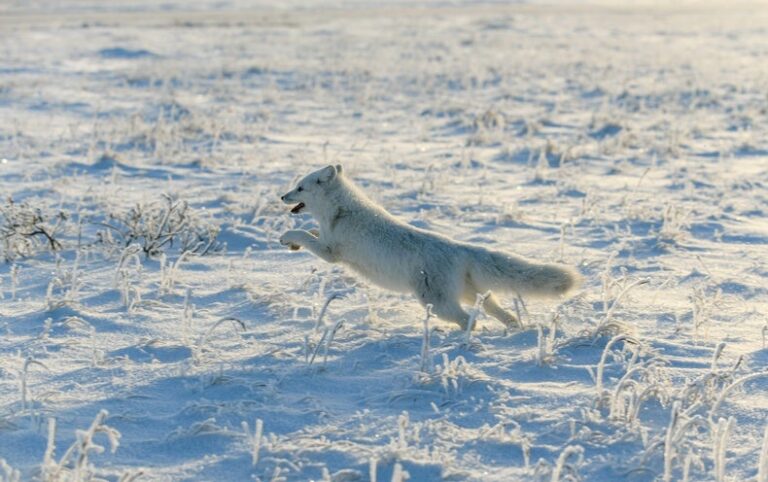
297 208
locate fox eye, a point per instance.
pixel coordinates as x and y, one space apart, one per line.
300 189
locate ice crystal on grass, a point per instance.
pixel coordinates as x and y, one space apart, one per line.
75 462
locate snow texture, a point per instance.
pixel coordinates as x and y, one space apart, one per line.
152 327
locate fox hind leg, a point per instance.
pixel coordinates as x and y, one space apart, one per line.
493 308
445 304
451 310
491 305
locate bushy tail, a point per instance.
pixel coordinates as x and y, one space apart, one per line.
505 272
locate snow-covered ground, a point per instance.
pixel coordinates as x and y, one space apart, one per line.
628 139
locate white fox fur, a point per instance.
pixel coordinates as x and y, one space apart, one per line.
437 270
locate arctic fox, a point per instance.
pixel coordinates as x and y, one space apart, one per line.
437 270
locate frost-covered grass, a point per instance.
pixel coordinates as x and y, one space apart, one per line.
152 328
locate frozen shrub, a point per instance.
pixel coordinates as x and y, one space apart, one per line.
156 227
26 231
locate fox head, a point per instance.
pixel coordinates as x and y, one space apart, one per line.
311 190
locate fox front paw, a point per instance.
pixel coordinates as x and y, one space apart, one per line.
292 239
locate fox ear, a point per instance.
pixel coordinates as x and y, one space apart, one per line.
327 174
338 169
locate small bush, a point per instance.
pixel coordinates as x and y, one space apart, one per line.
156 227
25 231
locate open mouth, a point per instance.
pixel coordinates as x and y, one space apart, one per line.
297 208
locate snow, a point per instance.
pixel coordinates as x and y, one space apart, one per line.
628 139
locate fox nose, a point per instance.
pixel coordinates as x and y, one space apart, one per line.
282 198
